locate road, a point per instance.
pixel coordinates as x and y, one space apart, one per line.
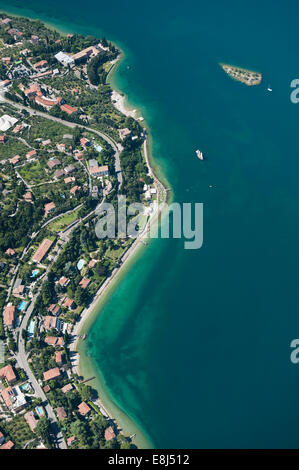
21 355
23 363
117 148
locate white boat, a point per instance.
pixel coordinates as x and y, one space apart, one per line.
199 155
269 89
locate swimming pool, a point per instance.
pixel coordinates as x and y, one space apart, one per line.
25 387
22 306
40 410
35 273
80 264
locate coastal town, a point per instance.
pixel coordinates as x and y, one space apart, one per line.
66 147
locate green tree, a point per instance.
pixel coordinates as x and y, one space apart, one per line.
43 430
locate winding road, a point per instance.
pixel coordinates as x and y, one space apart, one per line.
21 355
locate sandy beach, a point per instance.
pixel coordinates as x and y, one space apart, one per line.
118 101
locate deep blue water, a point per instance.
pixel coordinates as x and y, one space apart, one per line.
195 345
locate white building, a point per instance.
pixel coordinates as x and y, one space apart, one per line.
6 122
64 58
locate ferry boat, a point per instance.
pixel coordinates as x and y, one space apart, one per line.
199 155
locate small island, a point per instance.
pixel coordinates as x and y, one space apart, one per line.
248 77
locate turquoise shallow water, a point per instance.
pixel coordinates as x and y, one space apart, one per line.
195 345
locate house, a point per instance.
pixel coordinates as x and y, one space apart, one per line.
4 83
69 169
31 420
10 252
28 197
34 39
7 446
9 316
7 373
31 154
92 163
124 133
18 128
84 409
1 438
84 283
71 440
61 413
42 250
58 358
43 64
14 399
54 309
95 192
3 139
19 290
109 433
53 162
52 374
84 142
54 341
58 173
99 171
6 60
46 102
49 208
67 388
68 109
69 179
26 52
61 147
14 32
5 21
52 323
46 142
14 160
47 388
69 303
92 263
78 155
74 189
33 91
64 281
87 53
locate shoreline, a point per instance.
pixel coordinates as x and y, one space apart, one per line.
82 363
89 315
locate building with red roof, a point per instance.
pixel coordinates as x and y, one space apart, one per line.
42 250
52 374
68 109
109 433
9 316
7 373
84 409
